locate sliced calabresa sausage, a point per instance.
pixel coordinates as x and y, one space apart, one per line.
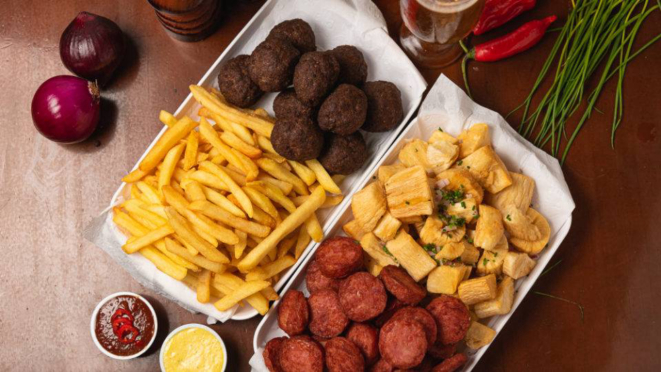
315 280
327 319
451 364
366 338
301 354
362 296
271 354
422 316
398 282
452 318
293 313
343 355
402 343
339 257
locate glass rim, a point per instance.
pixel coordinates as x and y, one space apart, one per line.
445 4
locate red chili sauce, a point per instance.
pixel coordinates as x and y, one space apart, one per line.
131 333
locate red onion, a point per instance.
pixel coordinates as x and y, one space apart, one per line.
92 47
66 109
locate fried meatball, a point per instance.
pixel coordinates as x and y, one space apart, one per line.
344 154
235 84
314 77
297 32
272 64
297 138
344 111
384 106
286 105
353 69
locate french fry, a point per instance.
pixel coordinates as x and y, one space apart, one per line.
260 200
294 220
191 154
279 172
235 142
149 219
167 118
243 133
180 225
148 239
331 200
191 281
207 132
176 200
210 239
313 227
217 213
168 140
156 209
221 201
305 173
150 192
230 282
163 263
125 221
244 290
285 187
135 176
274 193
272 269
287 243
256 123
176 248
241 245
270 293
208 226
169 164
323 177
239 178
266 144
302 242
209 179
251 169
178 174
234 188
204 286
194 191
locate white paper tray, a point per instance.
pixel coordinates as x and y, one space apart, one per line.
535 164
337 22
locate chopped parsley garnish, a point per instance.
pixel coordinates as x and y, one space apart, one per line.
429 247
407 202
484 262
473 207
508 218
495 254
470 240
468 167
440 129
452 221
453 197
463 204
459 259
460 162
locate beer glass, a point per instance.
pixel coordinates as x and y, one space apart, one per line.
432 29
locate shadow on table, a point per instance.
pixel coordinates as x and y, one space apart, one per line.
163 326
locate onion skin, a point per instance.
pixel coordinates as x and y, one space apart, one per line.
92 47
66 109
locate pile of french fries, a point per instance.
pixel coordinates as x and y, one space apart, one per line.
217 208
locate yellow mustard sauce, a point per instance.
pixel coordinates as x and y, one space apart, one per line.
193 349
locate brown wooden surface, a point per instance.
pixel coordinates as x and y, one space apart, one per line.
51 278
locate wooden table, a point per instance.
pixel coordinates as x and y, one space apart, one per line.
52 279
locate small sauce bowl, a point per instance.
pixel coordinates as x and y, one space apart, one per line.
184 327
97 311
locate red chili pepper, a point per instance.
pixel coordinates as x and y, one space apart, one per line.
127 334
519 40
498 12
118 323
122 313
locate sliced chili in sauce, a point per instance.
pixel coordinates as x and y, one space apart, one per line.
124 325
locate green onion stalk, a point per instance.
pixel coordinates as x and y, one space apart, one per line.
597 33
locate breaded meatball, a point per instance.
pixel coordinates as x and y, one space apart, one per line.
384 106
297 138
344 111
353 69
286 105
344 154
297 32
235 84
272 64
315 76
